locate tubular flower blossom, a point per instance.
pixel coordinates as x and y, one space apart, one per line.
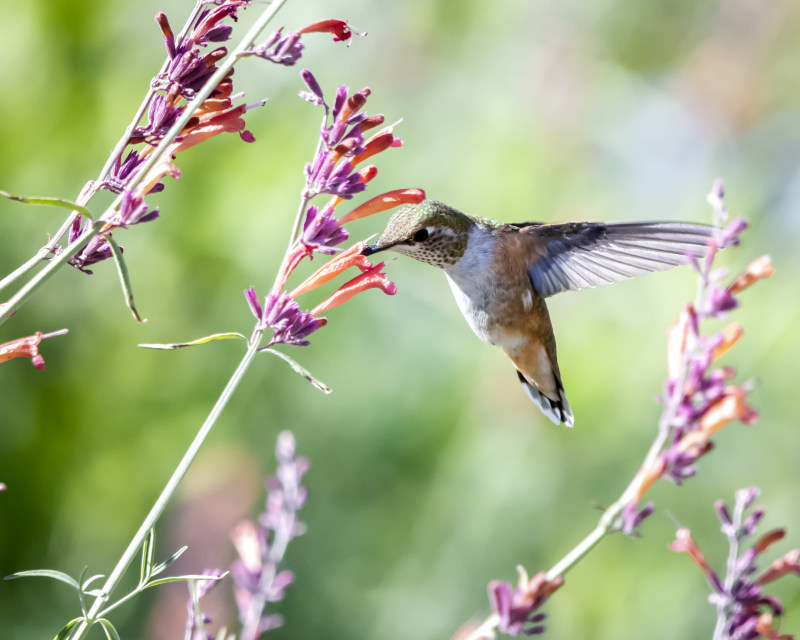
333 169
517 609
743 611
27 347
699 399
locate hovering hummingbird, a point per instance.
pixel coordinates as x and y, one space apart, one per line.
500 275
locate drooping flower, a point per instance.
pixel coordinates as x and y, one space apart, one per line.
27 347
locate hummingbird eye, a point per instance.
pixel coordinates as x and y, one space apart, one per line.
421 235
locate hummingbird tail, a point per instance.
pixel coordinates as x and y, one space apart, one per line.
557 411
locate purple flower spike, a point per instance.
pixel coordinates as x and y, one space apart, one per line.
321 231
744 612
261 546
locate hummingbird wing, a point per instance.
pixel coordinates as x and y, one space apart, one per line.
579 255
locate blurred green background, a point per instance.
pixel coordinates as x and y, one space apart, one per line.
431 471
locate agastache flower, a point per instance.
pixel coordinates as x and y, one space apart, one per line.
261 545
517 609
96 250
699 399
281 313
744 612
287 49
27 347
334 168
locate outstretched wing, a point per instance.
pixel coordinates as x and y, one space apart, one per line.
587 254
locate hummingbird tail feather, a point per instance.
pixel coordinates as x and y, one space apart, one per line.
557 411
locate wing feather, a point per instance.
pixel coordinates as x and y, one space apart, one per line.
588 254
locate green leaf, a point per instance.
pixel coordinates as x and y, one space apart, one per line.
47 573
186 578
169 561
50 202
124 277
111 632
64 633
302 371
180 345
148 549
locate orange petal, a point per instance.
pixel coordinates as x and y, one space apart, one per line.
730 336
384 201
756 270
373 278
334 266
684 543
730 407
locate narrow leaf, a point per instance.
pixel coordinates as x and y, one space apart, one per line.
64 633
124 277
148 548
47 573
180 345
50 202
111 632
302 371
186 578
158 569
85 583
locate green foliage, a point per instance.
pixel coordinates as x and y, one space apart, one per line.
431 472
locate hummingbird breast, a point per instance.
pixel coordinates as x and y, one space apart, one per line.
492 297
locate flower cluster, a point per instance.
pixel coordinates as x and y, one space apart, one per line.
27 347
190 65
343 145
743 611
699 399
517 609
341 148
261 545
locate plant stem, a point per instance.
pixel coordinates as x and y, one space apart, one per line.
40 278
166 494
247 41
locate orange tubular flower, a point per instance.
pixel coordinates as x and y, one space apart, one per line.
756 270
385 201
27 347
350 258
372 278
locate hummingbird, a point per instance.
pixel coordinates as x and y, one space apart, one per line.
501 273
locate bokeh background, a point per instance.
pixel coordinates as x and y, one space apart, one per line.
431 472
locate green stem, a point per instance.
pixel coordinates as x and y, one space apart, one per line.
247 42
166 494
40 278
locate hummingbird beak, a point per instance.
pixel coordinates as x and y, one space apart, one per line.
370 249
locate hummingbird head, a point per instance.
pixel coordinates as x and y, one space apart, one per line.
429 232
